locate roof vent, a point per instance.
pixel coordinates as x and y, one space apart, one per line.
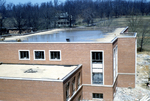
68 40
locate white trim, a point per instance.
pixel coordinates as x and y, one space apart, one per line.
116 66
124 30
75 93
72 72
96 85
39 59
54 59
114 39
30 79
23 50
52 42
91 63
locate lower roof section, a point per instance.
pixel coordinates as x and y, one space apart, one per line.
37 72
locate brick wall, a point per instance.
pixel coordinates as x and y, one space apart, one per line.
78 92
71 53
106 91
126 62
22 90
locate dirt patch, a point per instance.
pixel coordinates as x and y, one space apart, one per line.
141 92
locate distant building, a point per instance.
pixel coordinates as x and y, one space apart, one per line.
64 20
67 67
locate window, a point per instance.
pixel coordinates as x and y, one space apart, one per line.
97 57
79 80
115 62
39 55
79 99
55 55
67 92
97 78
73 86
24 55
97 95
97 67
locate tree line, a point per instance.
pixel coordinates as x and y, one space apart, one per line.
44 15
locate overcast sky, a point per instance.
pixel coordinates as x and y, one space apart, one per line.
32 1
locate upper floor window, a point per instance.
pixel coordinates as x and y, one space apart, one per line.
24 55
39 54
97 57
97 67
55 55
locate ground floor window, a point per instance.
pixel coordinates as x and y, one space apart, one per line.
24 55
98 95
79 80
39 55
67 92
73 86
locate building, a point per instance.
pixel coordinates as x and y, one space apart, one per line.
64 20
88 66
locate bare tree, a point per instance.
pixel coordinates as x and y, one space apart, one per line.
88 16
2 14
19 17
137 24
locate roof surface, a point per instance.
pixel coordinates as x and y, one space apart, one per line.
52 72
74 35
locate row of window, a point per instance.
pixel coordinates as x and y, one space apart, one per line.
73 84
55 55
40 55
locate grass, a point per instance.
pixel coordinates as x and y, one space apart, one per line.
122 22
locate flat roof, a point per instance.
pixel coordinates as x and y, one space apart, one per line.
36 72
73 34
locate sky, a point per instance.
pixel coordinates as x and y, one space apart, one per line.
32 1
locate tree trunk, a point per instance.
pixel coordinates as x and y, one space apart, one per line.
141 48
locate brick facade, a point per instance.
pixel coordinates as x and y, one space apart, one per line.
71 54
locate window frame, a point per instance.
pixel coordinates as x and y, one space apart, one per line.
20 54
79 79
54 51
39 59
115 63
99 94
92 64
67 91
97 83
73 85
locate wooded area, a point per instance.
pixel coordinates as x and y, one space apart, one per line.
43 16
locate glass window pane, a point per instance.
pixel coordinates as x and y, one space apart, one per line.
55 55
97 78
24 55
39 54
98 95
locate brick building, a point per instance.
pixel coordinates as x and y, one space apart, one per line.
82 68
